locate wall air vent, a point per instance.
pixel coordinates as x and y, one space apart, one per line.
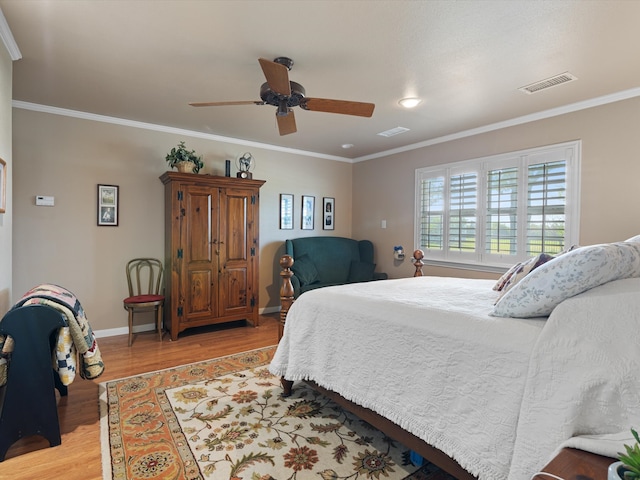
548 83
393 131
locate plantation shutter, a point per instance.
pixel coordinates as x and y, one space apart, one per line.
432 213
502 211
463 194
494 211
546 200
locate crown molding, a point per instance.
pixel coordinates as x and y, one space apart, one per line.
554 112
162 128
8 40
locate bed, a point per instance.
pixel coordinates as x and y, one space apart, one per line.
480 389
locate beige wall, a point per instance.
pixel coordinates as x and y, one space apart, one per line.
610 179
6 228
67 157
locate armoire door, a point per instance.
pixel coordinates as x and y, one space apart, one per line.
199 251
211 250
237 251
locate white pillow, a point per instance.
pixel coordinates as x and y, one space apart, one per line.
633 239
567 275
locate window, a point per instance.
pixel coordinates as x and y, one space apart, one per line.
495 211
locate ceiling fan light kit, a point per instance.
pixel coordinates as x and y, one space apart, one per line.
410 102
280 92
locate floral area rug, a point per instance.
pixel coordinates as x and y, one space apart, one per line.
225 419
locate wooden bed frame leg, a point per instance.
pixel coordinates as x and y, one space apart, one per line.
418 255
286 300
287 386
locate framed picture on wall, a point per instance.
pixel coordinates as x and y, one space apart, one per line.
3 186
286 211
108 205
328 213
308 206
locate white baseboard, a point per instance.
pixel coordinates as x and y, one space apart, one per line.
149 327
112 332
270 310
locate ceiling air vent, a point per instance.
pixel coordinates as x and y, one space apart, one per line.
548 83
393 131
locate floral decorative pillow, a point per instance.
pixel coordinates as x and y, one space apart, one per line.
504 281
518 272
567 275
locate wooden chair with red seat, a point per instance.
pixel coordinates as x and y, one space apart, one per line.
144 279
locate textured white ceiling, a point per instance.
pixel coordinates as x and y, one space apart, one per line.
145 60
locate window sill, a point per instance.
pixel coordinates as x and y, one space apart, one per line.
479 267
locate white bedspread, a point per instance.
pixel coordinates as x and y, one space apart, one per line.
583 387
425 353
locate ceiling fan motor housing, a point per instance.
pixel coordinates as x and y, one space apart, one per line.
286 61
270 97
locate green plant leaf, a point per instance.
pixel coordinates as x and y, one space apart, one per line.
182 154
631 459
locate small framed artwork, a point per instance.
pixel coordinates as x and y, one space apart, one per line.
308 206
328 213
286 211
108 205
3 186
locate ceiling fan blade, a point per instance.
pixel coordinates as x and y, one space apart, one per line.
287 123
338 106
222 104
277 76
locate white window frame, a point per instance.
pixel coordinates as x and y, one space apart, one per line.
479 260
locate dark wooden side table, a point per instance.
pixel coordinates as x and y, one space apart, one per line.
573 464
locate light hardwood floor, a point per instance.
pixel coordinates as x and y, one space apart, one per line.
79 457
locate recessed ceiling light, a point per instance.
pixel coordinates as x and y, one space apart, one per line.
410 102
347 145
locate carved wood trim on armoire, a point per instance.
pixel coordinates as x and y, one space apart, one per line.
211 250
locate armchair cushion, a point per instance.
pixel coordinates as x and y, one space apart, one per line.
305 270
361 271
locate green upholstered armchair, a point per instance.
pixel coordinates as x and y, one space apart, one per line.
324 261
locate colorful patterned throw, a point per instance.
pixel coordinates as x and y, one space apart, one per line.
76 338
225 419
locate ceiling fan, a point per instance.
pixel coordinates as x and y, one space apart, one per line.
284 94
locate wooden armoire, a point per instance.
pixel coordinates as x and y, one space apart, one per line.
211 250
